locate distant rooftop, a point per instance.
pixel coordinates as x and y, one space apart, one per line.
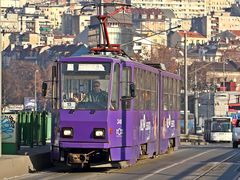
235 32
191 34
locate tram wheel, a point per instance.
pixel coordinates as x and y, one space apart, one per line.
170 150
171 145
154 155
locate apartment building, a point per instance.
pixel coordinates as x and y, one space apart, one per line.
218 5
26 23
83 17
10 3
54 14
186 8
193 39
9 22
142 47
182 9
76 22
215 23
25 39
227 22
151 21
34 23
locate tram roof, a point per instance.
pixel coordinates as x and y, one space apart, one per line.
115 58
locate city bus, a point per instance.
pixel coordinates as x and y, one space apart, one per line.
218 129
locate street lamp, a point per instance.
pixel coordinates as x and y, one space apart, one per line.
224 74
185 86
35 91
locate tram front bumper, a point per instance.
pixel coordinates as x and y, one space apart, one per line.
84 145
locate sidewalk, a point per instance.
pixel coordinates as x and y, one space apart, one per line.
27 160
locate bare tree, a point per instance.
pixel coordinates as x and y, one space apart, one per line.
165 55
19 81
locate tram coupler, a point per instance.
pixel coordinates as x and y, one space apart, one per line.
74 158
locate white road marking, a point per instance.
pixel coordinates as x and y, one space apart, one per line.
175 164
50 175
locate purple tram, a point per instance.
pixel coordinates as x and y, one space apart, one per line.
136 113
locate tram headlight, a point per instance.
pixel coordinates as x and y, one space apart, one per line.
99 133
67 132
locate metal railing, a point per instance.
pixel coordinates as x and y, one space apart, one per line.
33 128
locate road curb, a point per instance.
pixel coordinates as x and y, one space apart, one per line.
193 143
17 165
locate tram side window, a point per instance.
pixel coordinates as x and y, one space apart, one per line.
178 95
165 93
136 81
126 79
115 89
141 91
152 84
175 94
170 93
153 91
147 91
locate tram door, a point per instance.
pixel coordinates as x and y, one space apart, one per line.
126 105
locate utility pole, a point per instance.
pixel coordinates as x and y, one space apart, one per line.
195 103
185 86
35 90
100 12
224 69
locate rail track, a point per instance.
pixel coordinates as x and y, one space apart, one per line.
213 166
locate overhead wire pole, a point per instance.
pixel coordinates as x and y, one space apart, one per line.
100 27
196 95
35 90
185 86
195 103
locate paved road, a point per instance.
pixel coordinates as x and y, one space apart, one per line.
208 162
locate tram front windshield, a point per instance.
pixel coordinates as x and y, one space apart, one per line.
85 85
221 126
